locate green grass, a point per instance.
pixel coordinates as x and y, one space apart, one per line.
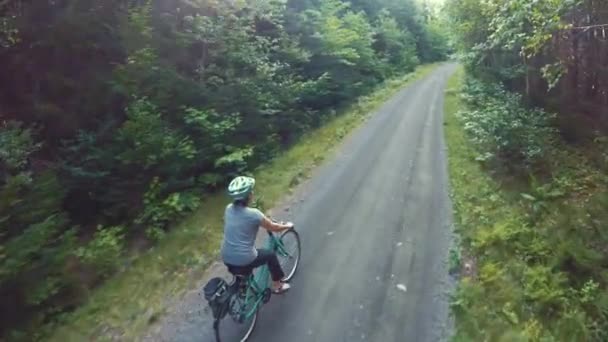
478 204
127 303
533 251
478 198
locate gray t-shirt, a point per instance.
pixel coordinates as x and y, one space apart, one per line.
241 225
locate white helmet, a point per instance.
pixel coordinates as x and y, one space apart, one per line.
241 187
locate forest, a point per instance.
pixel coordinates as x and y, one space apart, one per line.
119 116
533 108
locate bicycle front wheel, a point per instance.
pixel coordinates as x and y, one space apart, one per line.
288 252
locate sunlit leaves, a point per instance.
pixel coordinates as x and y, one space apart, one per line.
519 28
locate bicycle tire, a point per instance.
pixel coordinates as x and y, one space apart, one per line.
289 274
231 334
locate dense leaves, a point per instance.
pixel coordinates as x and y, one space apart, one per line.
118 115
538 242
552 51
502 127
534 240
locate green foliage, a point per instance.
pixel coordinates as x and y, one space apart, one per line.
439 45
455 260
540 196
342 58
33 233
347 37
148 141
40 251
527 25
121 115
501 127
104 252
396 46
419 19
19 251
159 211
235 161
505 39
537 246
17 145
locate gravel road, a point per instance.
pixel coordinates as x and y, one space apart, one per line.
375 223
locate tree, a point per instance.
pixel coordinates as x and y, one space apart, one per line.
395 46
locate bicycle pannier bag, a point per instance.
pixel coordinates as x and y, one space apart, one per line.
217 294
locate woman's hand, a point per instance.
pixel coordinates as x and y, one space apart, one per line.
275 226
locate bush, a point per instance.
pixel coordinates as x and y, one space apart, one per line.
160 210
103 253
34 239
16 144
147 141
502 127
539 248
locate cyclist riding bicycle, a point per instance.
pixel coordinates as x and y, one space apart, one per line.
241 225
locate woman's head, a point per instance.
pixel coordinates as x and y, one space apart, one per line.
240 189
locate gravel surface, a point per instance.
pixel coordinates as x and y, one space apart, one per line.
375 223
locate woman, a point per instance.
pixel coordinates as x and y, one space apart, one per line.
241 225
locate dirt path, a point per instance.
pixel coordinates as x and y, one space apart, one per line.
375 223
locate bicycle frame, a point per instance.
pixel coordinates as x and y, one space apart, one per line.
246 296
259 281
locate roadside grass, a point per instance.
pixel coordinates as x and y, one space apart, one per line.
478 202
533 252
129 302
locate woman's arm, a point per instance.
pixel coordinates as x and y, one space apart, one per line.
274 226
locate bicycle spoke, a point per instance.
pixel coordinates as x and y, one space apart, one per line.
240 322
230 330
289 253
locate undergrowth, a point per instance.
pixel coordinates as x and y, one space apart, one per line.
532 222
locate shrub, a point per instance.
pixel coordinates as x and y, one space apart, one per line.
147 140
34 239
160 210
16 144
502 127
104 251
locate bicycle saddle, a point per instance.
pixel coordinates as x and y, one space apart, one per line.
240 271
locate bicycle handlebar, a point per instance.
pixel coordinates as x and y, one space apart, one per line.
275 221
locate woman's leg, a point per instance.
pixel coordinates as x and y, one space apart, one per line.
268 257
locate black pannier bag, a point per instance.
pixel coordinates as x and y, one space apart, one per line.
217 294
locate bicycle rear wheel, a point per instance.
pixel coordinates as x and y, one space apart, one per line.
288 253
230 329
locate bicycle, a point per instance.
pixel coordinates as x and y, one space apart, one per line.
250 289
